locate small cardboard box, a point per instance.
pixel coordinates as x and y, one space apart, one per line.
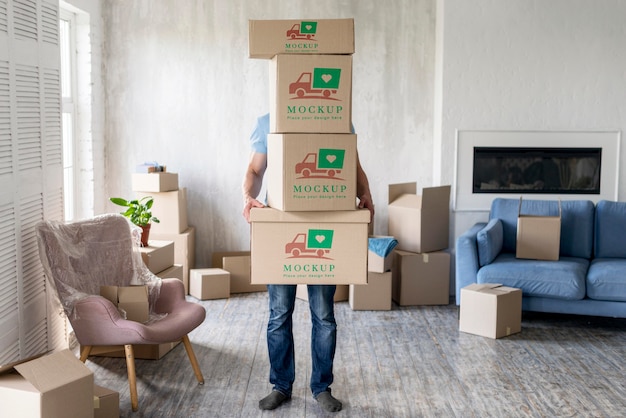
490 310
133 300
311 172
171 210
106 403
184 250
311 93
140 351
341 293
239 269
420 223
538 237
267 38
174 272
374 296
209 283
309 247
52 386
377 263
154 182
421 279
158 255
217 258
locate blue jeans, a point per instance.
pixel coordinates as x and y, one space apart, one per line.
280 337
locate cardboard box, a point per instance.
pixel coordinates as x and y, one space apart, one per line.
174 272
311 93
131 300
538 237
141 351
374 296
184 250
57 385
341 293
209 283
171 210
309 247
106 403
239 269
154 182
420 223
378 263
490 310
311 172
217 258
158 255
267 38
421 279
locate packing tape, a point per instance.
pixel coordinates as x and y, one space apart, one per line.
425 258
96 402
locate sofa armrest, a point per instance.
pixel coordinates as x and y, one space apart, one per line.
466 259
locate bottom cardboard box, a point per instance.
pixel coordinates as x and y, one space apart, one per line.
341 294
490 310
421 279
210 283
374 296
141 351
239 269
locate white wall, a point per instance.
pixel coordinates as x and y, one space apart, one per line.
181 90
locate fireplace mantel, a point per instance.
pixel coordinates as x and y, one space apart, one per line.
467 200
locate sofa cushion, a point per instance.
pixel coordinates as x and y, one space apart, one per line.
610 224
489 242
606 279
563 279
577 222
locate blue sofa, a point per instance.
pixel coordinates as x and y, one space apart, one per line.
588 279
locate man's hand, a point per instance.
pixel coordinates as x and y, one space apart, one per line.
365 201
250 203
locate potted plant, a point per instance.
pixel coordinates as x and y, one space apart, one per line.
139 213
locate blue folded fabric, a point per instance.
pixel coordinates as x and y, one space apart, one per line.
382 246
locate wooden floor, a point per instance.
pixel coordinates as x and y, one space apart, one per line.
407 362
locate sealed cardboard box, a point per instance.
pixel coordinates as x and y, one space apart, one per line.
158 255
106 403
140 351
311 172
420 223
174 272
209 283
380 253
267 38
421 279
52 386
374 296
171 210
239 269
490 310
311 93
184 250
309 247
341 293
217 258
538 237
154 182
132 300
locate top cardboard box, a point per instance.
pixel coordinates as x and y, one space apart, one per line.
420 223
325 36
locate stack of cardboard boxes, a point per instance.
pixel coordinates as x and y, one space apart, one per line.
376 296
312 231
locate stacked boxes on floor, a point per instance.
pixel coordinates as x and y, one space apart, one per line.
311 232
376 296
170 207
420 223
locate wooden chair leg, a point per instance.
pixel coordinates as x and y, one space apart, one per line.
84 352
132 377
193 360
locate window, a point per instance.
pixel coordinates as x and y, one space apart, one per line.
67 39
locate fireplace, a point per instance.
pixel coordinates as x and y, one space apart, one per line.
535 164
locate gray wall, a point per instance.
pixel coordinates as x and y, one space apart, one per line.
181 90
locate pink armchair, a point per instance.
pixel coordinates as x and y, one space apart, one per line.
81 256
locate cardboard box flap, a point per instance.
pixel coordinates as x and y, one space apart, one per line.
53 371
397 190
436 196
273 215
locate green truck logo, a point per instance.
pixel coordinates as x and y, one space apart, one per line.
326 163
302 30
321 83
316 243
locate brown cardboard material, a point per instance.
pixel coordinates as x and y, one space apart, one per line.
140 351
106 403
311 172
490 310
171 210
375 295
184 250
341 293
217 258
420 223
377 263
52 386
209 283
131 300
309 247
421 279
239 269
538 237
267 38
311 93
174 272
158 255
154 182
